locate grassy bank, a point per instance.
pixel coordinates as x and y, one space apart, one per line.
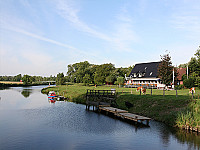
20 84
180 110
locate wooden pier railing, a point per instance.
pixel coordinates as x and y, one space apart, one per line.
98 98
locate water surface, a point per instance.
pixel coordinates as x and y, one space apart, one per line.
29 121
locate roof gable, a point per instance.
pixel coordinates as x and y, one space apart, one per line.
146 70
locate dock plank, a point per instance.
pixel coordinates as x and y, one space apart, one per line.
113 110
133 116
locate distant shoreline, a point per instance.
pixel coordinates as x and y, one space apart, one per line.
18 84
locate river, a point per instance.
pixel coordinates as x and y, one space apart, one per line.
28 121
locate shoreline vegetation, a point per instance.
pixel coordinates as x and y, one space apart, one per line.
19 84
180 111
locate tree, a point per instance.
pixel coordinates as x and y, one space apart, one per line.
103 71
189 83
120 81
87 79
165 70
17 77
110 79
60 80
27 80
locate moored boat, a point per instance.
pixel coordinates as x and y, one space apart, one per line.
51 96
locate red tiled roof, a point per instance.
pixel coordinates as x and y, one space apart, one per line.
181 72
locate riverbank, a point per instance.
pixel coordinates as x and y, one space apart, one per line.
6 84
181 110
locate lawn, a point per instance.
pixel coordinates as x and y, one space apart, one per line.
175 110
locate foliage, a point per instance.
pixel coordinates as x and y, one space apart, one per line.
27 80
87 79
165 70
179 87
110 79
99 74
189 83
103 71
120 80
34 78
60 80
190 116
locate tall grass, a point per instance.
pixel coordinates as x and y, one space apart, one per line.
190 117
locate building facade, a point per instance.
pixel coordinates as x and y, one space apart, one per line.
144 74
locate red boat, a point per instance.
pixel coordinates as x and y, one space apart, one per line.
51 96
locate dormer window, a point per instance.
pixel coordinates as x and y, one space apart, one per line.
135 75
140 75
151 73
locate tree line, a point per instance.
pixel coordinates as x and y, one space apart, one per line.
87 73
27 79
165 71
193 79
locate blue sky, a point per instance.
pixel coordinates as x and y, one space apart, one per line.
42 37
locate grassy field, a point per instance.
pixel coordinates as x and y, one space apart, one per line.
10 82
180 110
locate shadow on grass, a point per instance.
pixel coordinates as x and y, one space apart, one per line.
158 107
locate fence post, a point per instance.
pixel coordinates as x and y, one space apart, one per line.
176 93
151 91
140 91
131 90
192 94
163 92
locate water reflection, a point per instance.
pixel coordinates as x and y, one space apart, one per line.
192 139
26 92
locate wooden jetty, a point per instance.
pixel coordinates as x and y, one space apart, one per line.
98 98
103 99
125 115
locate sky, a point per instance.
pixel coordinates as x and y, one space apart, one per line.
42 37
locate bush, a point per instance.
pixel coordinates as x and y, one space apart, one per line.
179 87
189 83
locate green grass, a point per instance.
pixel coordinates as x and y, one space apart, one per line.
173 110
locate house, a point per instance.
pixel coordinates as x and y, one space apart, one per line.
144 74
181 71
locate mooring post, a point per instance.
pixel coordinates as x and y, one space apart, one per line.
147 122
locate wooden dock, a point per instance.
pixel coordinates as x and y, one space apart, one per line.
125 115
101 100
98 98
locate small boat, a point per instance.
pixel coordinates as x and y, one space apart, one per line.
51 96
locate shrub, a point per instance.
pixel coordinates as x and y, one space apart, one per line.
179 87
189 83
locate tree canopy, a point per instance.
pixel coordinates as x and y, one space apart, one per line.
165 69
98 74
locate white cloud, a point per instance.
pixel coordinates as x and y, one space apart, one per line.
120 38
69 11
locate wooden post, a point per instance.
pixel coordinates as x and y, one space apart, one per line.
176 93
151 91
147 122
140 91
192 95
163 92
131 90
